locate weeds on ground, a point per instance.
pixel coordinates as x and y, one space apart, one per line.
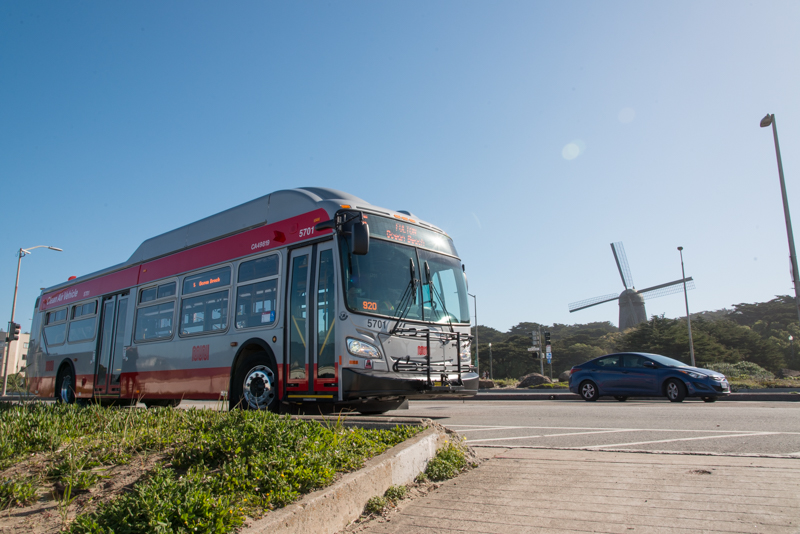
17 492
218 467
379 504
449 461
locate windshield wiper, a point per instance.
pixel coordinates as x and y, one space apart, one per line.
409 297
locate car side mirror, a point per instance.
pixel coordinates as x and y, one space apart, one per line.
650 365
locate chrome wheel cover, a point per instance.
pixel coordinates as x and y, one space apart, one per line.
672 390
259 387
67 394
587 391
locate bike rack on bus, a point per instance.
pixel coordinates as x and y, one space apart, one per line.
409 365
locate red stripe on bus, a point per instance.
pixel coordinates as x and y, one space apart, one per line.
236 246
91 288
271 236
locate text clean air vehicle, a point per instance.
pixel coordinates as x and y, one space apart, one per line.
639 374
307 295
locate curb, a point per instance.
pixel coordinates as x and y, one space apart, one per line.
331 509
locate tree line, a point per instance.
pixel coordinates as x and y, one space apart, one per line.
757 333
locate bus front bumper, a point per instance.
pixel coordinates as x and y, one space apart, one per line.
362 383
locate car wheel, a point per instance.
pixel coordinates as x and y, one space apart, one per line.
676 391
709 399
589 391
255 384
621 398
65 386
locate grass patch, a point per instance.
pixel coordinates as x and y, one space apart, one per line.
449 461
216 468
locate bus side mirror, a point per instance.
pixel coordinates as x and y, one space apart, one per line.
359 238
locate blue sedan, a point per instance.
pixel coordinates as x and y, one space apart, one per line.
638 374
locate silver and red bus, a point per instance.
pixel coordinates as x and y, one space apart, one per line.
303 296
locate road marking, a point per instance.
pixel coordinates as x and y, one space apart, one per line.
469 428
740 435
471 441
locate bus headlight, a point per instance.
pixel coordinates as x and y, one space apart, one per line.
465 351
362 349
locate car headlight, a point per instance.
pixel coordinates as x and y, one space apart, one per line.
465 351
356 347
694 375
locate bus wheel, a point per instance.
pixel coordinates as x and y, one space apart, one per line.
65 386
255 384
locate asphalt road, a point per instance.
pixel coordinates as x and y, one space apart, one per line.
727 428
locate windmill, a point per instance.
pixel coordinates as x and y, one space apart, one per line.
631 301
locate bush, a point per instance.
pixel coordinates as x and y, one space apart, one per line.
741 371
395 493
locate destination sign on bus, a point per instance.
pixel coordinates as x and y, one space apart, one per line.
410 234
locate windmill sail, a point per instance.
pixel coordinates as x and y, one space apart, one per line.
581 304
622 264
666 289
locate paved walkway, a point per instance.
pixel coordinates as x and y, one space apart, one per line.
556 491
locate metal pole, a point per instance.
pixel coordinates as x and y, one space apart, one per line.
789 234
8 344
686 298
490 362
477 346
543 349
22 252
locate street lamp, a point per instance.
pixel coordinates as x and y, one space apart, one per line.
686 298
766 121
477 347
22 253
490 362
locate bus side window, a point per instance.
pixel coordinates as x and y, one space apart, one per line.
256 303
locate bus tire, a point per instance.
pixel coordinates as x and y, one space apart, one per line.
255 384
65 385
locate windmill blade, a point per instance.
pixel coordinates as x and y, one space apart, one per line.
581 304
622 264
666 289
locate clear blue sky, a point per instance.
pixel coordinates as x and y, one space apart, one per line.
534 133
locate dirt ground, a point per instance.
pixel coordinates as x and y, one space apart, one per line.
51 513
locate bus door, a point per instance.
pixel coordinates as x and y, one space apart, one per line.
110 344
311 371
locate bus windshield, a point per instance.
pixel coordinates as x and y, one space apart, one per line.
380 282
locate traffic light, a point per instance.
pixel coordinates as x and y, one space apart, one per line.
13 331
547 338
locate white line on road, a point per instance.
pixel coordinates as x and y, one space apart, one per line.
471 441
740 435
469 428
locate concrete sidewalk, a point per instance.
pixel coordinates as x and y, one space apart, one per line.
555 491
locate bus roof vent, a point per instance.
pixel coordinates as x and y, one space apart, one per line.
406 212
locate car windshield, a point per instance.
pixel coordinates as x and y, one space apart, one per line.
667 362
380 282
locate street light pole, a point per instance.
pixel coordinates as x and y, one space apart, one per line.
766 121
490 362
686 298
477 347
22 252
